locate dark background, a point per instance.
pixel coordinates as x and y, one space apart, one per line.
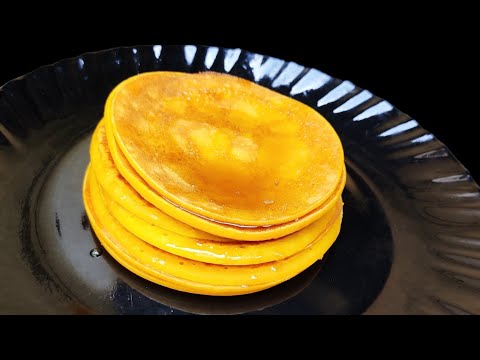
425 69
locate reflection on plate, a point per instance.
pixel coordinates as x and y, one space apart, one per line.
410 242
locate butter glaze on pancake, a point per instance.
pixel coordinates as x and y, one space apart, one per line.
123 184
226 252
224 147
168 265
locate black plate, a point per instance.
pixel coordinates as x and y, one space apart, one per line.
409 244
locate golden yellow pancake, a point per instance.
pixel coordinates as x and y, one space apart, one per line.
227 252
226 148
165 268
122 184
224 305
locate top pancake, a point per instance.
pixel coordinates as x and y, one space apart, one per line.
226 148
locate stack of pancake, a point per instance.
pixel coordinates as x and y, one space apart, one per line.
211 184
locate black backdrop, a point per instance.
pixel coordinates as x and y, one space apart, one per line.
426 73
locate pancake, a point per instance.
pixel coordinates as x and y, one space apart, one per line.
188 275
227 252
231 305
122 184
225 148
